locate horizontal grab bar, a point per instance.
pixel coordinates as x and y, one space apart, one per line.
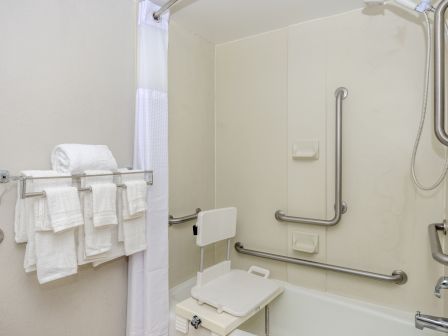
398 277
180 220
434 242
340 206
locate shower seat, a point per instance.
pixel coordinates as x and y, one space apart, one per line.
223 298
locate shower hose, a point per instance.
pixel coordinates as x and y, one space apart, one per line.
444 171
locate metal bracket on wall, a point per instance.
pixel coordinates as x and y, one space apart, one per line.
4 176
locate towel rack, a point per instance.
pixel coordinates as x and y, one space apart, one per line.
183 219
5 178
398 277
340 206
434 242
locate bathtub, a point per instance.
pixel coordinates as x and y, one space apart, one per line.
304 312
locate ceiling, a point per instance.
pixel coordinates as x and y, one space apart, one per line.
221 21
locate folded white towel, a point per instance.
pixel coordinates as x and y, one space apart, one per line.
133 226
64 208
55 255
93 241
25 219
135 195
116 251
104 202
24 211
76 158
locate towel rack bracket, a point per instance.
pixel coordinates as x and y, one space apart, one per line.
344 207
4 176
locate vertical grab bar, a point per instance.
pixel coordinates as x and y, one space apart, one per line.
439 72
340 206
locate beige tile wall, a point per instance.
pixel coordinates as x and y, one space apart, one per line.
277 88
66 75
191 144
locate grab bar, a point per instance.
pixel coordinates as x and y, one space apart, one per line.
340 206
398 277
439 72
183 219
434 242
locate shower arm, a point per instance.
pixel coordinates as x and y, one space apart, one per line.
439 72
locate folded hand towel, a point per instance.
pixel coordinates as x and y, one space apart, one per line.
75 158
24 211
104 202
64 208
133 226
135 195
93 241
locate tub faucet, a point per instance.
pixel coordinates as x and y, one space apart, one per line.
431 322
442 283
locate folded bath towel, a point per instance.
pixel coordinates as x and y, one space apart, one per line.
64 208
26 210
104 204
76 158
53 255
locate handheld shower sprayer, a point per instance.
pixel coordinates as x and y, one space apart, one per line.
423 7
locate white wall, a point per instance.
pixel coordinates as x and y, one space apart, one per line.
277 88
66 75
192 146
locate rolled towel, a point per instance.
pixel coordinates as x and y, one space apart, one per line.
75 158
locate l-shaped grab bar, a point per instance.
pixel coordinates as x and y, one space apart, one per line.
340 206
439 72
434 242
179 220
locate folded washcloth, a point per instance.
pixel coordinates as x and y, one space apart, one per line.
93 241
64 208
104 202
135 197
133 226
75 158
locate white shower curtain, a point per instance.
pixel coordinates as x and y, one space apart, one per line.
148 301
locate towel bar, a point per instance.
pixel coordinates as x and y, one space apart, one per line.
183 219
398 277
434 242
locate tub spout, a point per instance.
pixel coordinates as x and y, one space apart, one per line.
431 322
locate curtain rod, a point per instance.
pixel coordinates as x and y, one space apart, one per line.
156 15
